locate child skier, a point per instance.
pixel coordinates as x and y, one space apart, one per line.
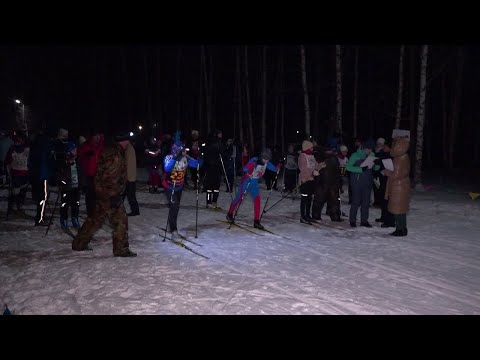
175 166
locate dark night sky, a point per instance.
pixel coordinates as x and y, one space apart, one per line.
107 85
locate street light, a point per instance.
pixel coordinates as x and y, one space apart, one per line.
23 115
140 127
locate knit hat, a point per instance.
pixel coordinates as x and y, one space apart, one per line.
266 154
177 147
343 148
81 140
381 141
307 145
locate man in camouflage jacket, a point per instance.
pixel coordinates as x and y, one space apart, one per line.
110 183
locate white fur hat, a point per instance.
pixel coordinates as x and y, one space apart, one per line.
381 141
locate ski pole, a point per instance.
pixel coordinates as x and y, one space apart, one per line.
170 208
196 209
53 212
282 198
269 194
226 178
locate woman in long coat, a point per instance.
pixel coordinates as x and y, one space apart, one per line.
398 185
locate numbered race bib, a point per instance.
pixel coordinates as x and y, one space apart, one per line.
258 171
20 160
74 176
311 162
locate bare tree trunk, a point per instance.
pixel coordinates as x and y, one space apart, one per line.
282 118
276 95
282 104
211 94
148 102
338 49
179 59
305 91
240 92
249 107
355 92
400 88
371 126
455 114
444 120
413 57
316 112
235 109
264 96
125 90
160 93
200 92
207 89
421 115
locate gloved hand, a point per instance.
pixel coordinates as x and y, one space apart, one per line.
359 162
365 168
315 173
116 201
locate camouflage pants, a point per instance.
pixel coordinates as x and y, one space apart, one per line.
118 220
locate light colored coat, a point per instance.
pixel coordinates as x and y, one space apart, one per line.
398 184
131 163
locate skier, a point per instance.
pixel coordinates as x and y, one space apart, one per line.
253 170
69 187
175 166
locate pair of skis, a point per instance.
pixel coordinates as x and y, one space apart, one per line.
182 244
250 228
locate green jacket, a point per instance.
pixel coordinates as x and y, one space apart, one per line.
358 155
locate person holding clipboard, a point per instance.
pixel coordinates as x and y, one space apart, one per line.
360 166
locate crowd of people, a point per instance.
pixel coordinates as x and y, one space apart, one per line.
103 167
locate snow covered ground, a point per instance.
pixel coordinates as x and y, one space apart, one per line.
310 270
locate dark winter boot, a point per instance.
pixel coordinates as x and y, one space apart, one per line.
387 225
230 217
303 218
366 224
308 205
64 223
124 253
133 213
82 248
352 224
257 225
317 211
75 223
400 232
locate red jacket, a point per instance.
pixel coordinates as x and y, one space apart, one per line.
88 153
